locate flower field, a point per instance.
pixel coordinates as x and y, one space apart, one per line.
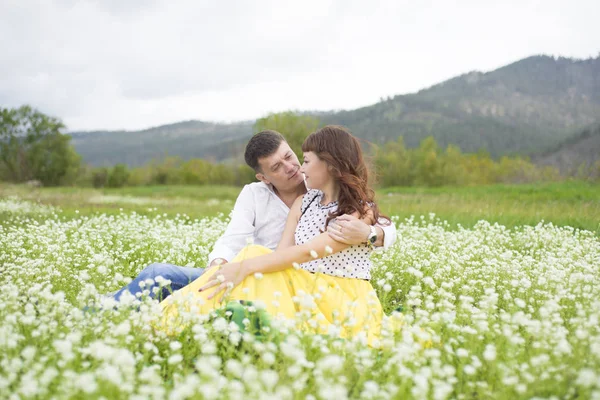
488 311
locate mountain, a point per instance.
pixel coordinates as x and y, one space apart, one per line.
522 108
189 139
583 148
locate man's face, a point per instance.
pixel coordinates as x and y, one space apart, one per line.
281 169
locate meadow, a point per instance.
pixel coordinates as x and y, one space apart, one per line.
499 288
575 204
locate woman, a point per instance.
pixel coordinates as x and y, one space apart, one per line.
320 283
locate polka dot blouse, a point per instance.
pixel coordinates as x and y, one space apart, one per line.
353 262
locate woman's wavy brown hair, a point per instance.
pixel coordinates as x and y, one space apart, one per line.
342 152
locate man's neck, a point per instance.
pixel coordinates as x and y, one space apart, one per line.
288 197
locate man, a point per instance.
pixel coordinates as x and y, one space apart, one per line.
259 214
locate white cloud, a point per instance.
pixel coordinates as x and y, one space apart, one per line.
112 64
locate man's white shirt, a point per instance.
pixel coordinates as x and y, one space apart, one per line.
259 215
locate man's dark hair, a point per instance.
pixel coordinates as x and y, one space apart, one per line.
263 144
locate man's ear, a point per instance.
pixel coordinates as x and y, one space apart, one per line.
262 178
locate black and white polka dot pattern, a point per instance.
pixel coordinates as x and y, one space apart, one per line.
353 262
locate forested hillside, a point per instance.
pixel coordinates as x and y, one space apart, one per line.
526 107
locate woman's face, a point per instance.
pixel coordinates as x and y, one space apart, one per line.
316 171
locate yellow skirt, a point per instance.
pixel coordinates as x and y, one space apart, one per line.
317 303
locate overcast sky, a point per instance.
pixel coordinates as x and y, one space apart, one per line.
132 64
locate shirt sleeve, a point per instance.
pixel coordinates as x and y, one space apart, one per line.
390 233
239 229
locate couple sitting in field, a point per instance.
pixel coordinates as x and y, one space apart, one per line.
312 228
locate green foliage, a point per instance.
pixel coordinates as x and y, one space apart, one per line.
427 166
196 172
578 156
393 164
33 148
99 177
294 127
118 176
430 166
170 171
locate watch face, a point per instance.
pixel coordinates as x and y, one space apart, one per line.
373 236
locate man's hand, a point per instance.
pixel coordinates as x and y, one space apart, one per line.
218 261
349 230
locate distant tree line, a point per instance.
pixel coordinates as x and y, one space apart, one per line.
170 171
33 149
430 165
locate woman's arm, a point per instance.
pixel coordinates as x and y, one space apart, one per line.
318 247
287 238
232 274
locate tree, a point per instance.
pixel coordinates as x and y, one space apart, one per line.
428 166
118 176
393 164
99 177
195 172
33 147
294 127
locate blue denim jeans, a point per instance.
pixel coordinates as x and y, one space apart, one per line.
179 277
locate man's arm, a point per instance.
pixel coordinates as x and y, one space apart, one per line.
239 229
390 233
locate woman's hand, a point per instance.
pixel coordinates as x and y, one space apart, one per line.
227 277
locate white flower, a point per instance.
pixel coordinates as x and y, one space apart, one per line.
490 352
587 378
269 379
175 359
462 353
175 345
268 358
520 303
469 370
314 254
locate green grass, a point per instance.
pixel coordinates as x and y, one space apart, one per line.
575 204
195 201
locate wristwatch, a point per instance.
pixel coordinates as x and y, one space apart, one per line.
372 238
